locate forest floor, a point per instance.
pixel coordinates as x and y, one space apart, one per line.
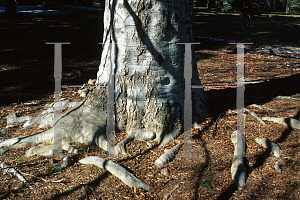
26 87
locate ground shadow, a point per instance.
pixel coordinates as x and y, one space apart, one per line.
27 62
261 93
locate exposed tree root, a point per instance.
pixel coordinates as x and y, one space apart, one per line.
197 126
293 123
12 118
167 156
255 116
3 150
277 167
238 170
266 143
167 138
67 161
285 97
260 107
85 123
13 171
140 135
6 130
117 170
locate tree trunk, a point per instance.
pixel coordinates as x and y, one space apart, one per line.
149 66
147 84
10 8
287 7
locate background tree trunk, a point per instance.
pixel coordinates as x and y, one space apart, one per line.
149 66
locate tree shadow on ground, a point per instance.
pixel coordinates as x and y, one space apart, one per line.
26 62
91 184
261 93
222 100
259 29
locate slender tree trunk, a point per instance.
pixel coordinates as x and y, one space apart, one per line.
10 8
287 7
149 66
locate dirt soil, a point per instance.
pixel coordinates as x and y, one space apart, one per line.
205 174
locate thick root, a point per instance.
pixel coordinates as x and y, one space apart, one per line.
255 116
266 143
117 170
3 150
238 170
46 136
293 123
169 137
48 150
168 156
6 130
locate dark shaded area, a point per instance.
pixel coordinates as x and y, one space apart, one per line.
10 8
269 30
222 100
27 62
92 184
201 169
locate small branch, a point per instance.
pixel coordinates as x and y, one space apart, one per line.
167 196
45 180
16 173
212 132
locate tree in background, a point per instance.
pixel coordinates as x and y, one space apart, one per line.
263 6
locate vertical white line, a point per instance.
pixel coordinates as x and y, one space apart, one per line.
57 135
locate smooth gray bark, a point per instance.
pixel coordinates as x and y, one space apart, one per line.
149 79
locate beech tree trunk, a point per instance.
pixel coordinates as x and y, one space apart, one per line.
148 76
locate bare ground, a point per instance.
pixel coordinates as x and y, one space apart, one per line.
206 174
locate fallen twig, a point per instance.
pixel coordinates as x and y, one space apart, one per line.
16 173
212 132
167 196
45 180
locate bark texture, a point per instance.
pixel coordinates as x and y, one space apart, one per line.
140 36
